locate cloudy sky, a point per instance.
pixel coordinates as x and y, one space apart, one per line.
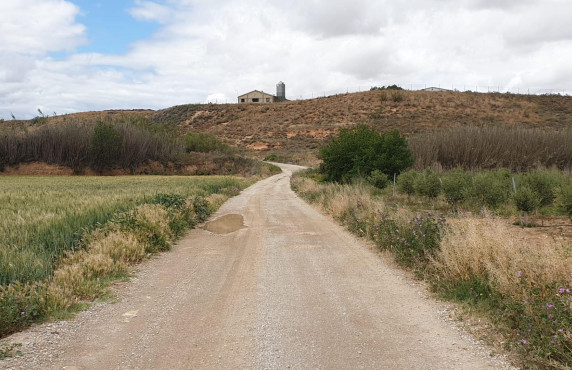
64 56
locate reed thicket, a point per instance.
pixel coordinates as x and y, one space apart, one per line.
71 143
516 148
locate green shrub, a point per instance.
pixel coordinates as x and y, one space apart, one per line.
428 184
21 305
271 158
397 96
204 143
378 179
358 151
413 244
565 200
349 154
180 213
492 188
543 325
543 183
457 186
201 208
526 200
106 146
406 182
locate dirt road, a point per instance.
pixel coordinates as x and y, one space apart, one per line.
287 289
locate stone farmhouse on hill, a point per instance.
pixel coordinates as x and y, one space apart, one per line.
256 96
261 97
438 89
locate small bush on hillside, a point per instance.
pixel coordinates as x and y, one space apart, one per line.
358 151
271 158
105 146
397 96
205 143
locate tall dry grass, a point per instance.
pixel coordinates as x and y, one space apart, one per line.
69 144
514 262
525 281
488 147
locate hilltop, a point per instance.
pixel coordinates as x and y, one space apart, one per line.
295 129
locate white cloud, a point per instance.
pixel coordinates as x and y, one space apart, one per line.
34 27
150 11
213 51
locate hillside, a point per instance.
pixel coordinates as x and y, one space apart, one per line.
295 129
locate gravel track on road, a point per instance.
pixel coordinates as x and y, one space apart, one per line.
288 289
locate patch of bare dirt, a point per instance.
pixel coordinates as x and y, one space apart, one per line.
37 169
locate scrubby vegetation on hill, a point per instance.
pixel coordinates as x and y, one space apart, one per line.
119 144
296 129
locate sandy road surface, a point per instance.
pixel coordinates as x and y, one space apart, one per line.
289 290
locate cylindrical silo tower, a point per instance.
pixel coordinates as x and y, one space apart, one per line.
281 91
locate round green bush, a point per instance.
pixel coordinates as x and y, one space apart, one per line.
565 199
378 179
457 186
526 199
428 185
406 182
358 151
492 188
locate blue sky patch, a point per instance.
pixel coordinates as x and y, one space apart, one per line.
110 27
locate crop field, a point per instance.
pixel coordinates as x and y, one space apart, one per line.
42 217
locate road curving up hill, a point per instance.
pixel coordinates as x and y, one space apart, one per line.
272 285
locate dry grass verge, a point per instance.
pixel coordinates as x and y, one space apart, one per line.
520 283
